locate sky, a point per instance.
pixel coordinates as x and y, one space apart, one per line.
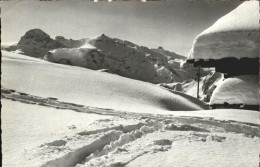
170 24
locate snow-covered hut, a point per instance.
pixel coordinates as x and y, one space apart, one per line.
231 45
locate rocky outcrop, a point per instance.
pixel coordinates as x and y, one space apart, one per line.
207 83
170 55
37 43
70 43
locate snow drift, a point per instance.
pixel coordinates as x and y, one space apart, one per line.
242 89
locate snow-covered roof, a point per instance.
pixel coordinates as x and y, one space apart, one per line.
243 89
233 35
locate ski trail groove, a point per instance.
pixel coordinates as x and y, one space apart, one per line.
229 126
110 141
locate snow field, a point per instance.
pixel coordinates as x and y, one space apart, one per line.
90 88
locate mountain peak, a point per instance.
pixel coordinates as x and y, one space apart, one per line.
160 47
103 37
35 35
36 43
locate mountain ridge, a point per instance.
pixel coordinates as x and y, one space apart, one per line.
119 56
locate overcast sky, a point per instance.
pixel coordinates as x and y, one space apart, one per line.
172 25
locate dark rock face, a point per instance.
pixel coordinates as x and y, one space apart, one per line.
69 43
37 43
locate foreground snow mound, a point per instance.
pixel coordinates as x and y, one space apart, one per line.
91 88
242 89
233 35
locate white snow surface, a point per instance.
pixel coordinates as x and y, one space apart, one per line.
233 35
247 116
244 17
187 150
88 87
33 135
26 126
87 46
243 89
37 136
8 44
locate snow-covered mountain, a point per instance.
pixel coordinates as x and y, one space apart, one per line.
115 55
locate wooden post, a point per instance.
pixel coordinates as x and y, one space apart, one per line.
198 88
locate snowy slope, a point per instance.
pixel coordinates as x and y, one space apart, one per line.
233 35
243 89
91 88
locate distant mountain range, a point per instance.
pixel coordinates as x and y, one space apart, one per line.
108 54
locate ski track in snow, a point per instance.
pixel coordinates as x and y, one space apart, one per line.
112 143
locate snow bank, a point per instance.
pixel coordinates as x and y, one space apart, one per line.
233 35
242 89
90 88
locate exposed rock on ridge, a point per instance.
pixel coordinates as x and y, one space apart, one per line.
37 43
